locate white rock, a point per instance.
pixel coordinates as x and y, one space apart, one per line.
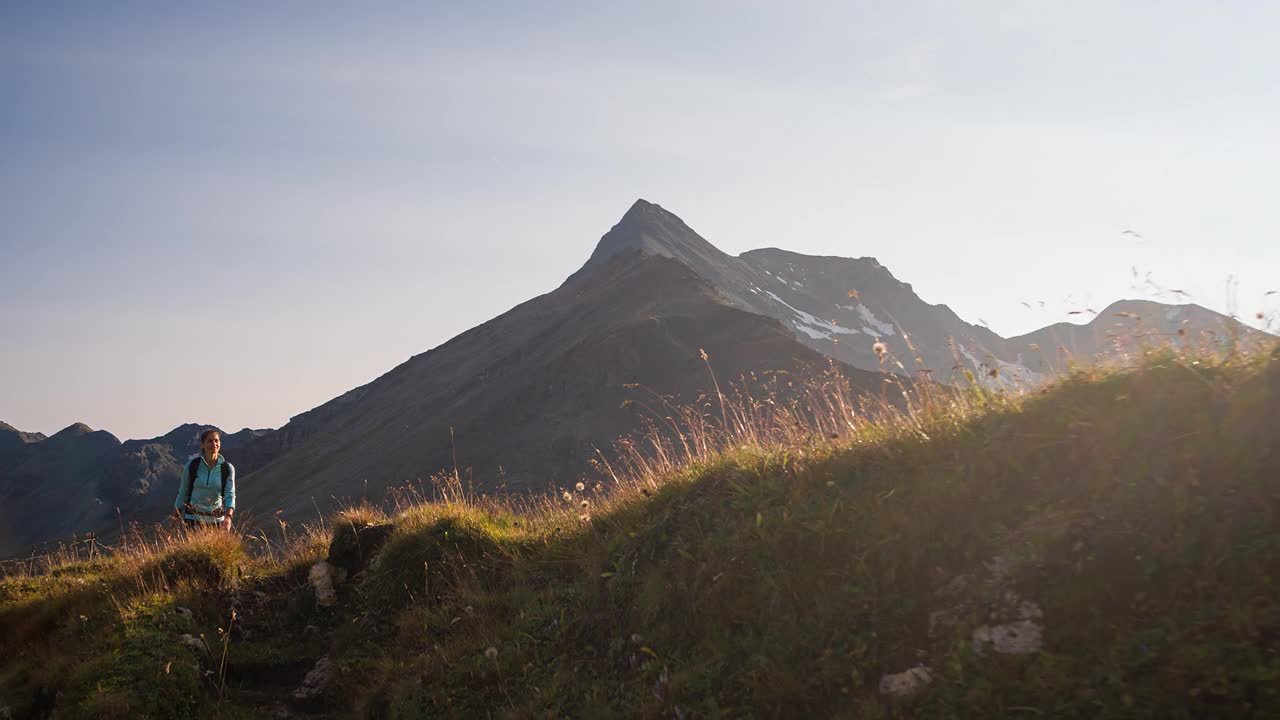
321 578
906 683
1015 638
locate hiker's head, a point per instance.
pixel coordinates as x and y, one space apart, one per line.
210 443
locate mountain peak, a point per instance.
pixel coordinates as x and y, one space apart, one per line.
77 433
641 208
650 229
11 436
73 430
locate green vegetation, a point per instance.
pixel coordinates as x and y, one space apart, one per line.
1119 530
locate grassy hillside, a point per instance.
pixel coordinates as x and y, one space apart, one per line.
1105 547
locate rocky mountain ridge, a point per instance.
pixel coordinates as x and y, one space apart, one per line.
843 307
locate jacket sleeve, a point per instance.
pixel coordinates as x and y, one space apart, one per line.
230 500
179 501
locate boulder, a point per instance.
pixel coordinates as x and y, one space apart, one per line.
311 693
321 579
906 683
1022 632
354 546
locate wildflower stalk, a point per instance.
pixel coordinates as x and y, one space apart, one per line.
724 418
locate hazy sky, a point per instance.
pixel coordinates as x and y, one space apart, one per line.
233 212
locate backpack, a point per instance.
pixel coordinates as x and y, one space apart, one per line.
194 467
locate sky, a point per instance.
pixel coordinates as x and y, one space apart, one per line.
230 213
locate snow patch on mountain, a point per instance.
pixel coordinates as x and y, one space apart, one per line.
872 321
813 332
1017 375
1008 376
810 324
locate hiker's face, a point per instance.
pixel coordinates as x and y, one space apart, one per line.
212 445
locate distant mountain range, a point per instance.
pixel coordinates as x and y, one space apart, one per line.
525 398
74 481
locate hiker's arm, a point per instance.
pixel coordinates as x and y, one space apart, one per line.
180 501
229 500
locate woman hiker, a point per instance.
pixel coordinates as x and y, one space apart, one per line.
207 492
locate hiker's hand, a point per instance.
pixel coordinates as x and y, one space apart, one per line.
226 523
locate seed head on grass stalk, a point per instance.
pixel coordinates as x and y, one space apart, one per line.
724 418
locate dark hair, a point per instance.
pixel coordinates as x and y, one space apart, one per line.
211 431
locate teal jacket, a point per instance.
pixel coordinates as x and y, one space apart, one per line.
206 492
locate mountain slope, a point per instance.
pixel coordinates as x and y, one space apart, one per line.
50 486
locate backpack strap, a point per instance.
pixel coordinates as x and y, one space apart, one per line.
226 473
193 467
